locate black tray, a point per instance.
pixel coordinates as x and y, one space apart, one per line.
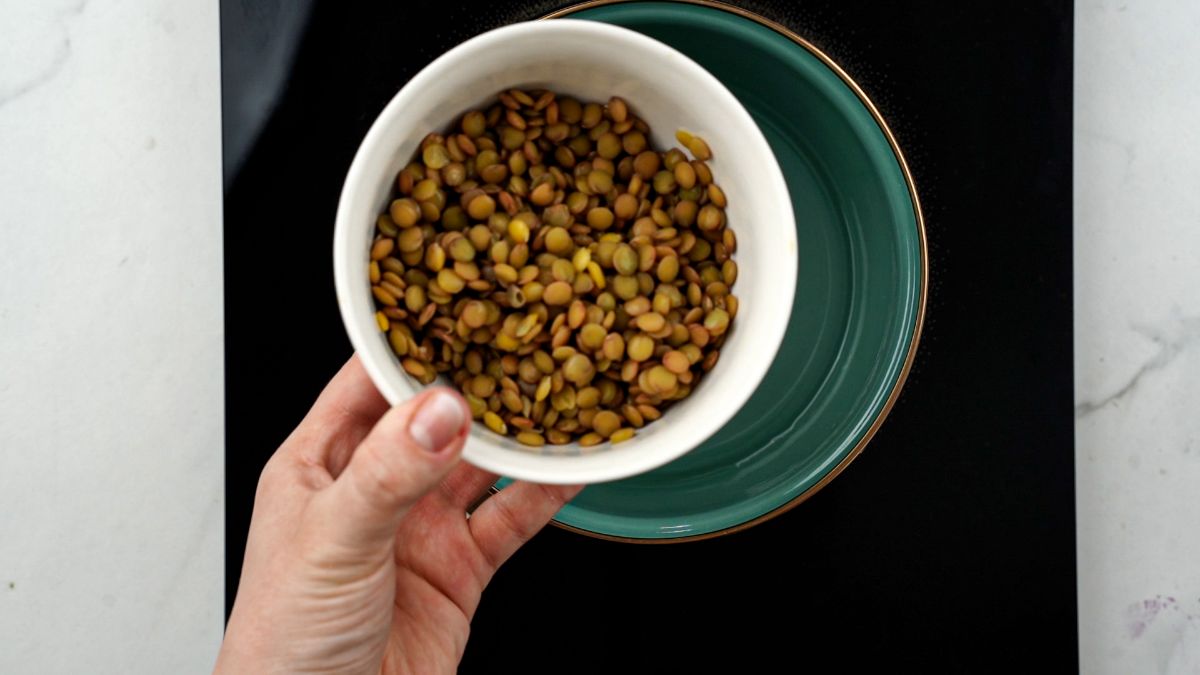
949 545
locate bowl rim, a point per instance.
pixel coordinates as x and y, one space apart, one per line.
553 469
922 300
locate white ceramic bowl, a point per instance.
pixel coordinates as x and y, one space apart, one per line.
591 61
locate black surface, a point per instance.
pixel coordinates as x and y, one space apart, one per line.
949 544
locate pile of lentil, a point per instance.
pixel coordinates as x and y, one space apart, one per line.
568 278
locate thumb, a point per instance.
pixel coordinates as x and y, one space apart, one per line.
406 454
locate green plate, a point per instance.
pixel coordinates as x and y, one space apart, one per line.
859 297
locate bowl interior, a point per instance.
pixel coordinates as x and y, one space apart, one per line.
669 92
858 294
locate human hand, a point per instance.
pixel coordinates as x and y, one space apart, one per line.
361 558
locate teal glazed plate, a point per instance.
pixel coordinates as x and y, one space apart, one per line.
860 295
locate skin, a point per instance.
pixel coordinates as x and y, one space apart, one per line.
361 558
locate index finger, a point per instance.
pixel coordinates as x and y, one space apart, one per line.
509 518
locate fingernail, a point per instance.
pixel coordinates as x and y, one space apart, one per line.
437 421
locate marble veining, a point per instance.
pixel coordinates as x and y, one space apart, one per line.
55 33
1170 338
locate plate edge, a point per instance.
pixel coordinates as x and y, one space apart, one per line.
918 324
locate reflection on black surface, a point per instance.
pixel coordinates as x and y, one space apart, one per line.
258 44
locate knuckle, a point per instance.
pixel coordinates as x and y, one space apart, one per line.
552 495
381 477
512 520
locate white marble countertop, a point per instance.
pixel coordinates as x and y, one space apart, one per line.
112 451
111 446
1137 335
